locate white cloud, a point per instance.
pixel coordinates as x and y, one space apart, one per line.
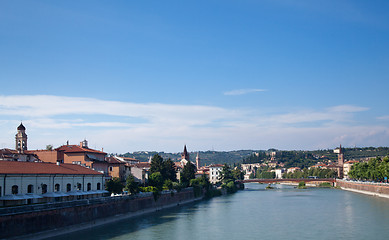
383 118
243 91
124 126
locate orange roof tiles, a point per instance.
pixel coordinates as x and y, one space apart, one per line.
11 167
77 148
113 160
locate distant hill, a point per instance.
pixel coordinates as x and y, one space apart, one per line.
289 158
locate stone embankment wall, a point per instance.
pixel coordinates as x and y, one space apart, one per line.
22 220
376 189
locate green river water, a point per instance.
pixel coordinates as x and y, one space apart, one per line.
256 213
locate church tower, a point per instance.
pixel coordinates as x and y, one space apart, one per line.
198 161
340 161
185 154
21 139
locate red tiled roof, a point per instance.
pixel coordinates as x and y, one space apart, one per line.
216 165
352 161
129 159
113 160
77 148
11 167
142 165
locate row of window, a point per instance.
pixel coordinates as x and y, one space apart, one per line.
30 188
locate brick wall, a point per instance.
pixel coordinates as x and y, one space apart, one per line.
373 188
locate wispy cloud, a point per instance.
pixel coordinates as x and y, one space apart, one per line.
125 126
243 91
383 118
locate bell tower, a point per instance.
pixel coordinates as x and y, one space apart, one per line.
340 153
198 161
21 139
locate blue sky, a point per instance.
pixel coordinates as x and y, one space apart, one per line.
223 75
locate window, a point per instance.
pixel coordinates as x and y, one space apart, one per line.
30 188
68 187
110 168
0 191
44 188
15 189
56 187
89 186
79 186
98 186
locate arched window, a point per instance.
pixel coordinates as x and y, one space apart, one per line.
56 187
68 187
98 186
30 188
44 188
79 186
89 186
15 189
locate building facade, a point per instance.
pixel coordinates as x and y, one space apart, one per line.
36 182
214 172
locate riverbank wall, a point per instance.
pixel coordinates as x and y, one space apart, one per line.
374 189
42 221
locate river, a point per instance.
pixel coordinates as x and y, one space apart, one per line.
256 213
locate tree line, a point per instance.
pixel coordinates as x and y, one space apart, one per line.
163 176
376 169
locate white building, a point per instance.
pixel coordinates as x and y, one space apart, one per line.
214 173
36 182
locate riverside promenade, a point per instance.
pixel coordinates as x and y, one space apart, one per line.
42 221
369 188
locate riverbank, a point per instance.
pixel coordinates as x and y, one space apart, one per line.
371 189
45 221
65 230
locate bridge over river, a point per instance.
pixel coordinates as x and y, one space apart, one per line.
315 181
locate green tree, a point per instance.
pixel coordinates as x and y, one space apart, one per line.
156 164
114 185
169 170
188 173
156 180
238 174
165 167
132 186
226 174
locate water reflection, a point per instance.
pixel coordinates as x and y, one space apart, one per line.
256 213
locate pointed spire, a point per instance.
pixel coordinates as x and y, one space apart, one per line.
185 154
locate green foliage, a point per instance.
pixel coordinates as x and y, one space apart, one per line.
148 189
237 173
168 184
301 185
156 180
132 186
301 159
188 173
226 174
375 170
165 167
154 190
317 172
265 175
156 164
325 185
230 186
177 186
169 170
114 186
